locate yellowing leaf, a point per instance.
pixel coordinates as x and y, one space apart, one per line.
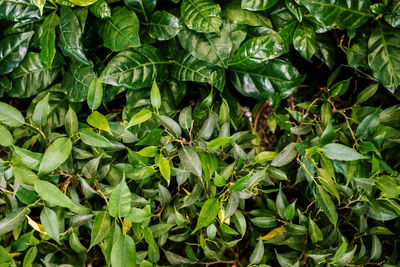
274 232
37 226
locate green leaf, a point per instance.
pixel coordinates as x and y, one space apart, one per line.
273 77
236 14
50 193
150 151
367 93
190 160
185 118
119 204
15 10
32 76
383 50
155 96
77 81
288 214
326 204
6 139
340 14
30 257
376 248
393 16
121 31
171 125
189 68
136 68
207 214
219 142
341 152
258 5
314 231
48 39
305 40
123 253
51 225
12 220
10 116
55 155
209 47
163 26
69 37
340 251
165 168
97 120
258 252
328 183
30 159
287 155
100 229
368 125
201 15
140 117
258 50
82 2
41 111
93 139
13 50
71 122
75 244
95 94
101 9
264 222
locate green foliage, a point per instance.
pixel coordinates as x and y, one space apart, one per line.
199 132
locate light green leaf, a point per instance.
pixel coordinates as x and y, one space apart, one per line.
97 120
327 181
30 257
185 118
93 139
341 152
123 253
41 111
55 155
140 117
207 214
100 229
165 168
6 139
10 116
51 225
258 252
95 94
155 96
265 156
83 2
71 122
25 176
314 231
119 204
12 220
50 193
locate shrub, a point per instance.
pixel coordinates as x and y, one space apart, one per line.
194 132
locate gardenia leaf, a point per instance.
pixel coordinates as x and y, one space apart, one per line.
201 15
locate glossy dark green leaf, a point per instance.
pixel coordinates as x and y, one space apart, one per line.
236 14
189 68
77 81
190 160
383 50
12 220
201 15
136 68
258 50
119 204
15 10
142 7
13 50
163 26
69 37
121 31
393 16
367 93
256 5
32 76
209 47
305 40
48 39
101 9
275 76
207 214
123 253
368 125
341 152
10 116
341 14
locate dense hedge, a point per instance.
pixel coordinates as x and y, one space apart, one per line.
194 132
